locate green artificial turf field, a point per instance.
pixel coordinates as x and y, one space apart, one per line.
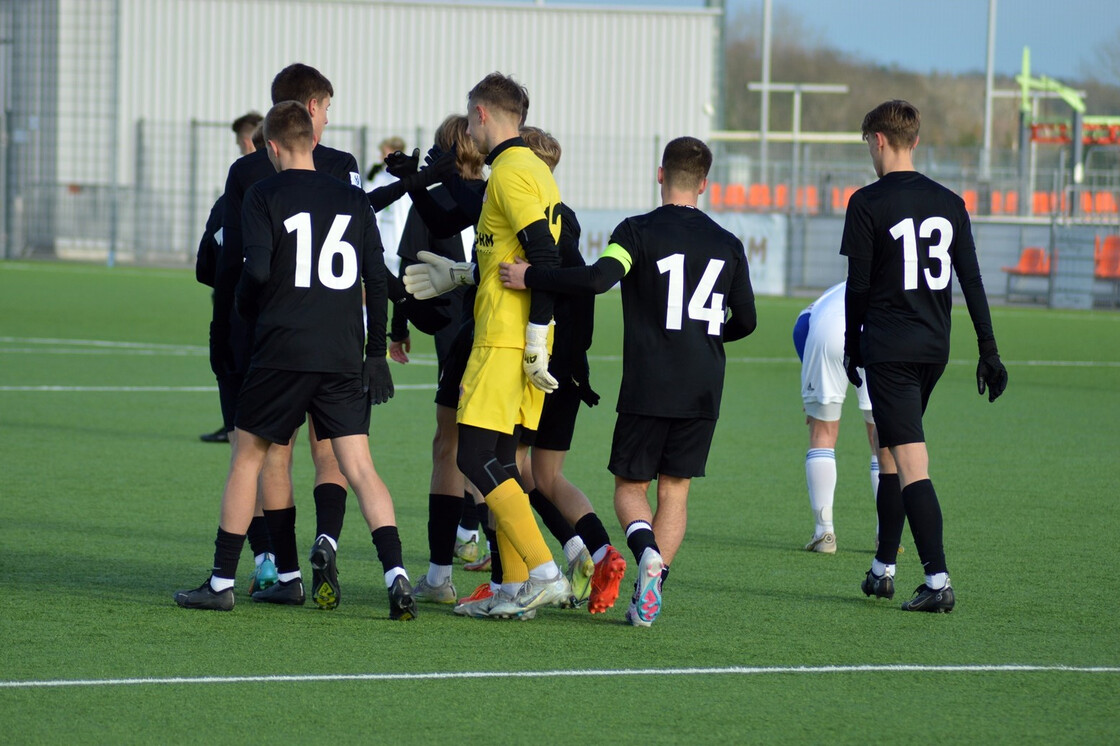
109 502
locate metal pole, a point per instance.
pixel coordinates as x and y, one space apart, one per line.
1077 163
989 82
1024 163
795 177
192 177
764 109
114 151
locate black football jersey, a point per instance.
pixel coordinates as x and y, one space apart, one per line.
243 173
685 272
310 241
904 236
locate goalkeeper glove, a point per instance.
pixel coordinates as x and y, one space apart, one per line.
990 372
376 379
436 275
400 165
535 360
853 359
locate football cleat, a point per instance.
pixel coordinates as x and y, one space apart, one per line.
205 597
604 583
324 575
532 595
444 593
880 586
402 606
467 551
289 593
473 605
645 606
580 572
482 565
825 543
927 599
263 576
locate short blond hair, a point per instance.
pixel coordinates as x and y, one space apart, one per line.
545 146
452 132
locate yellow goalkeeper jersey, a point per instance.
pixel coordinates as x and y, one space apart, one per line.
520 192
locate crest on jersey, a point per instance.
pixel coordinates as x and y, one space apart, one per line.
356 179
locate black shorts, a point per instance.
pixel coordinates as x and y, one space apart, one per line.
229 387
273 404
644 447
899 395
452 365
558 420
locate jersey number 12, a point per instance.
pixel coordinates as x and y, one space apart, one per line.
704 305
333 246
938 252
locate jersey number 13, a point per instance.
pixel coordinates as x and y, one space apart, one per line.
938 252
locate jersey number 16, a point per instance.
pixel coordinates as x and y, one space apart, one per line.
333 246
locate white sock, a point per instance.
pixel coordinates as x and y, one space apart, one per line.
875 490
287 577
466 535
546 571
393 575
937 581
820 475
331 541
220 584
260 558
511 589
879 569
438 574
637 526
572 548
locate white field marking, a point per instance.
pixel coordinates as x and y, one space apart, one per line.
1010 363
169 389
101 343
443 675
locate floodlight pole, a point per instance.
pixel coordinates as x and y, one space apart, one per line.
989 80
764 109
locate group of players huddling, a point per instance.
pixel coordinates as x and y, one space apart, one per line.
301 297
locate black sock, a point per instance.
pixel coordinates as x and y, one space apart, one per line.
227 551
282 529
492 539
469 518
892 517
330 509
553 519
593 533
664 574
388 543
443 519
924 513
259 542
640 540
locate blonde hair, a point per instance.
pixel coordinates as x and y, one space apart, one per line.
544 145
452 132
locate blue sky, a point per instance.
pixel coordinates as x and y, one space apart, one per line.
948 35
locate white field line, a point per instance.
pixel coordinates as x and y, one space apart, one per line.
167 389
444 675
51 346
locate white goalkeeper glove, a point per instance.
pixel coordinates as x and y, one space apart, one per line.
535 360
436 275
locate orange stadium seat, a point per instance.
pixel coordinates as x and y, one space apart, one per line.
781 196
808 199
1108 259
1087 202
970 200
1011 203
715 195
997 202
847 195
1033 262
1105 202
759 196
735 197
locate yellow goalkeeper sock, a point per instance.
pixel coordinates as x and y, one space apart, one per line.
513 516
514 569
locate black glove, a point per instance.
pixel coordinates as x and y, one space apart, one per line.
441 163
851 367
221 353
377 380
990 372
587 394
853 358
400 165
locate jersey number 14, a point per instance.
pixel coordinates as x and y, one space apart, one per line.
333 246
703 305
938 252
